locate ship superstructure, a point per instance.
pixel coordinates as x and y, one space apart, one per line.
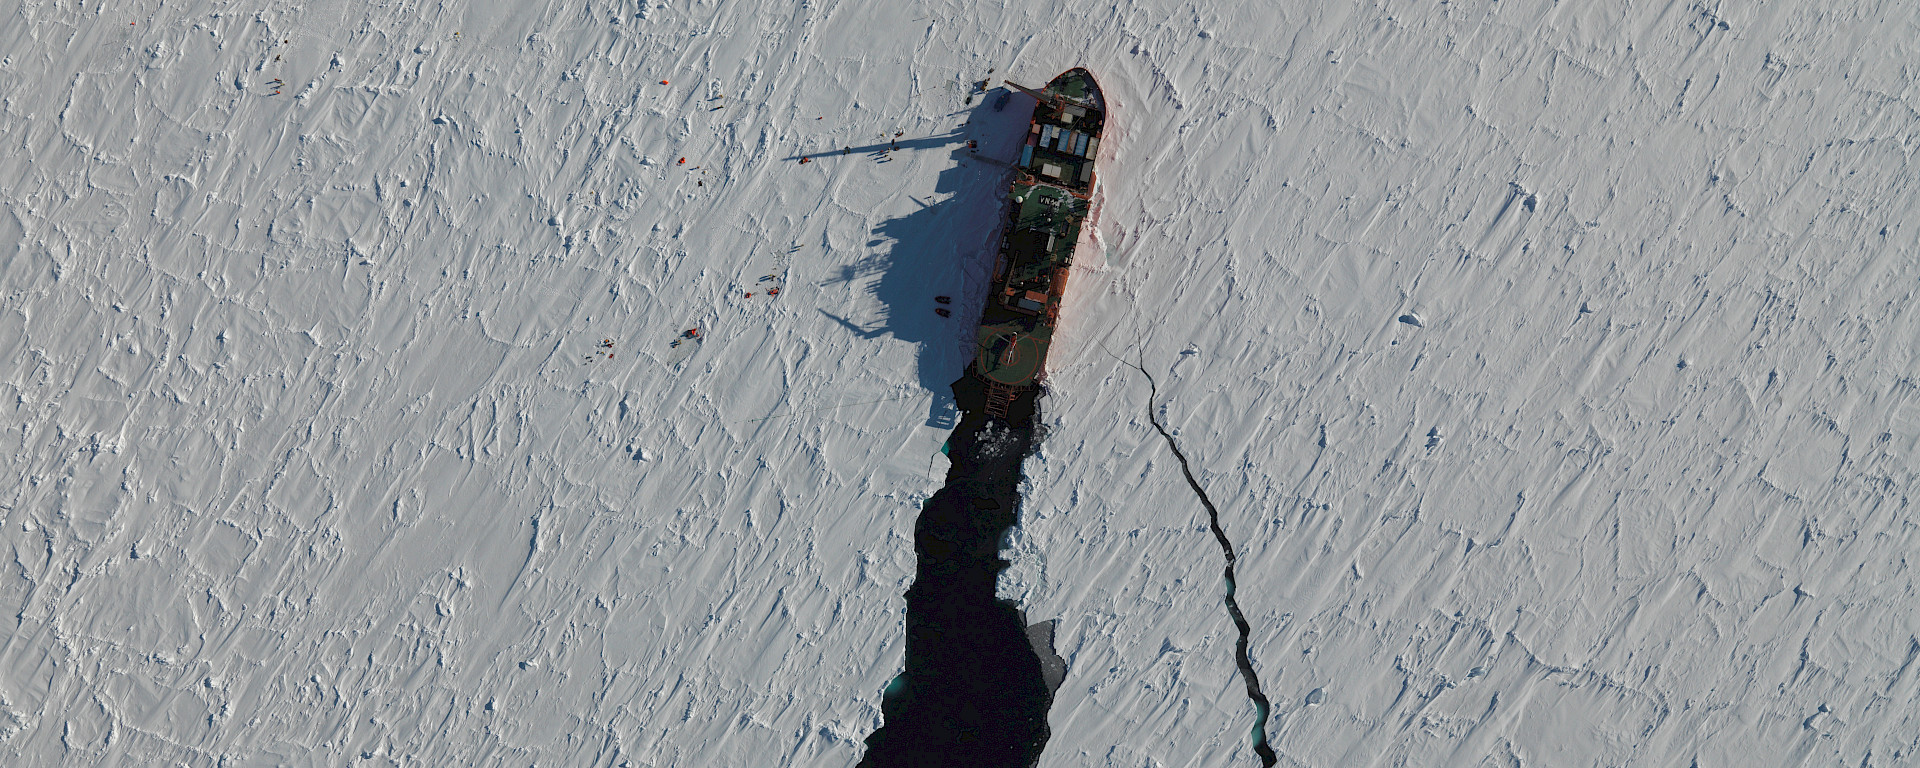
1049 202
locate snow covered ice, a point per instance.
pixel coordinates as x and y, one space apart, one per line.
315 456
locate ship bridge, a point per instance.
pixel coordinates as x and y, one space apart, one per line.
1043 226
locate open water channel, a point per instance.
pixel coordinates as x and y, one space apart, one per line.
976 689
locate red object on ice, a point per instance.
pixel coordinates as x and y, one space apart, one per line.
683 161
773 291
663 82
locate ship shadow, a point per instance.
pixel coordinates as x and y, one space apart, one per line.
944 248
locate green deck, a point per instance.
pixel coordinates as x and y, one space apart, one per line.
1011 353
1046 224
1071 84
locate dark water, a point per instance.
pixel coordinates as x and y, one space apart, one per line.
974 692
1241 658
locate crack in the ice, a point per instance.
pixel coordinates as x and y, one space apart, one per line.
1260 704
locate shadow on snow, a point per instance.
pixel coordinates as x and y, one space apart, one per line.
942 249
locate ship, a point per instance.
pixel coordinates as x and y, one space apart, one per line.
1049 201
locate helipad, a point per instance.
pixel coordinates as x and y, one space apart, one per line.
1012 355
